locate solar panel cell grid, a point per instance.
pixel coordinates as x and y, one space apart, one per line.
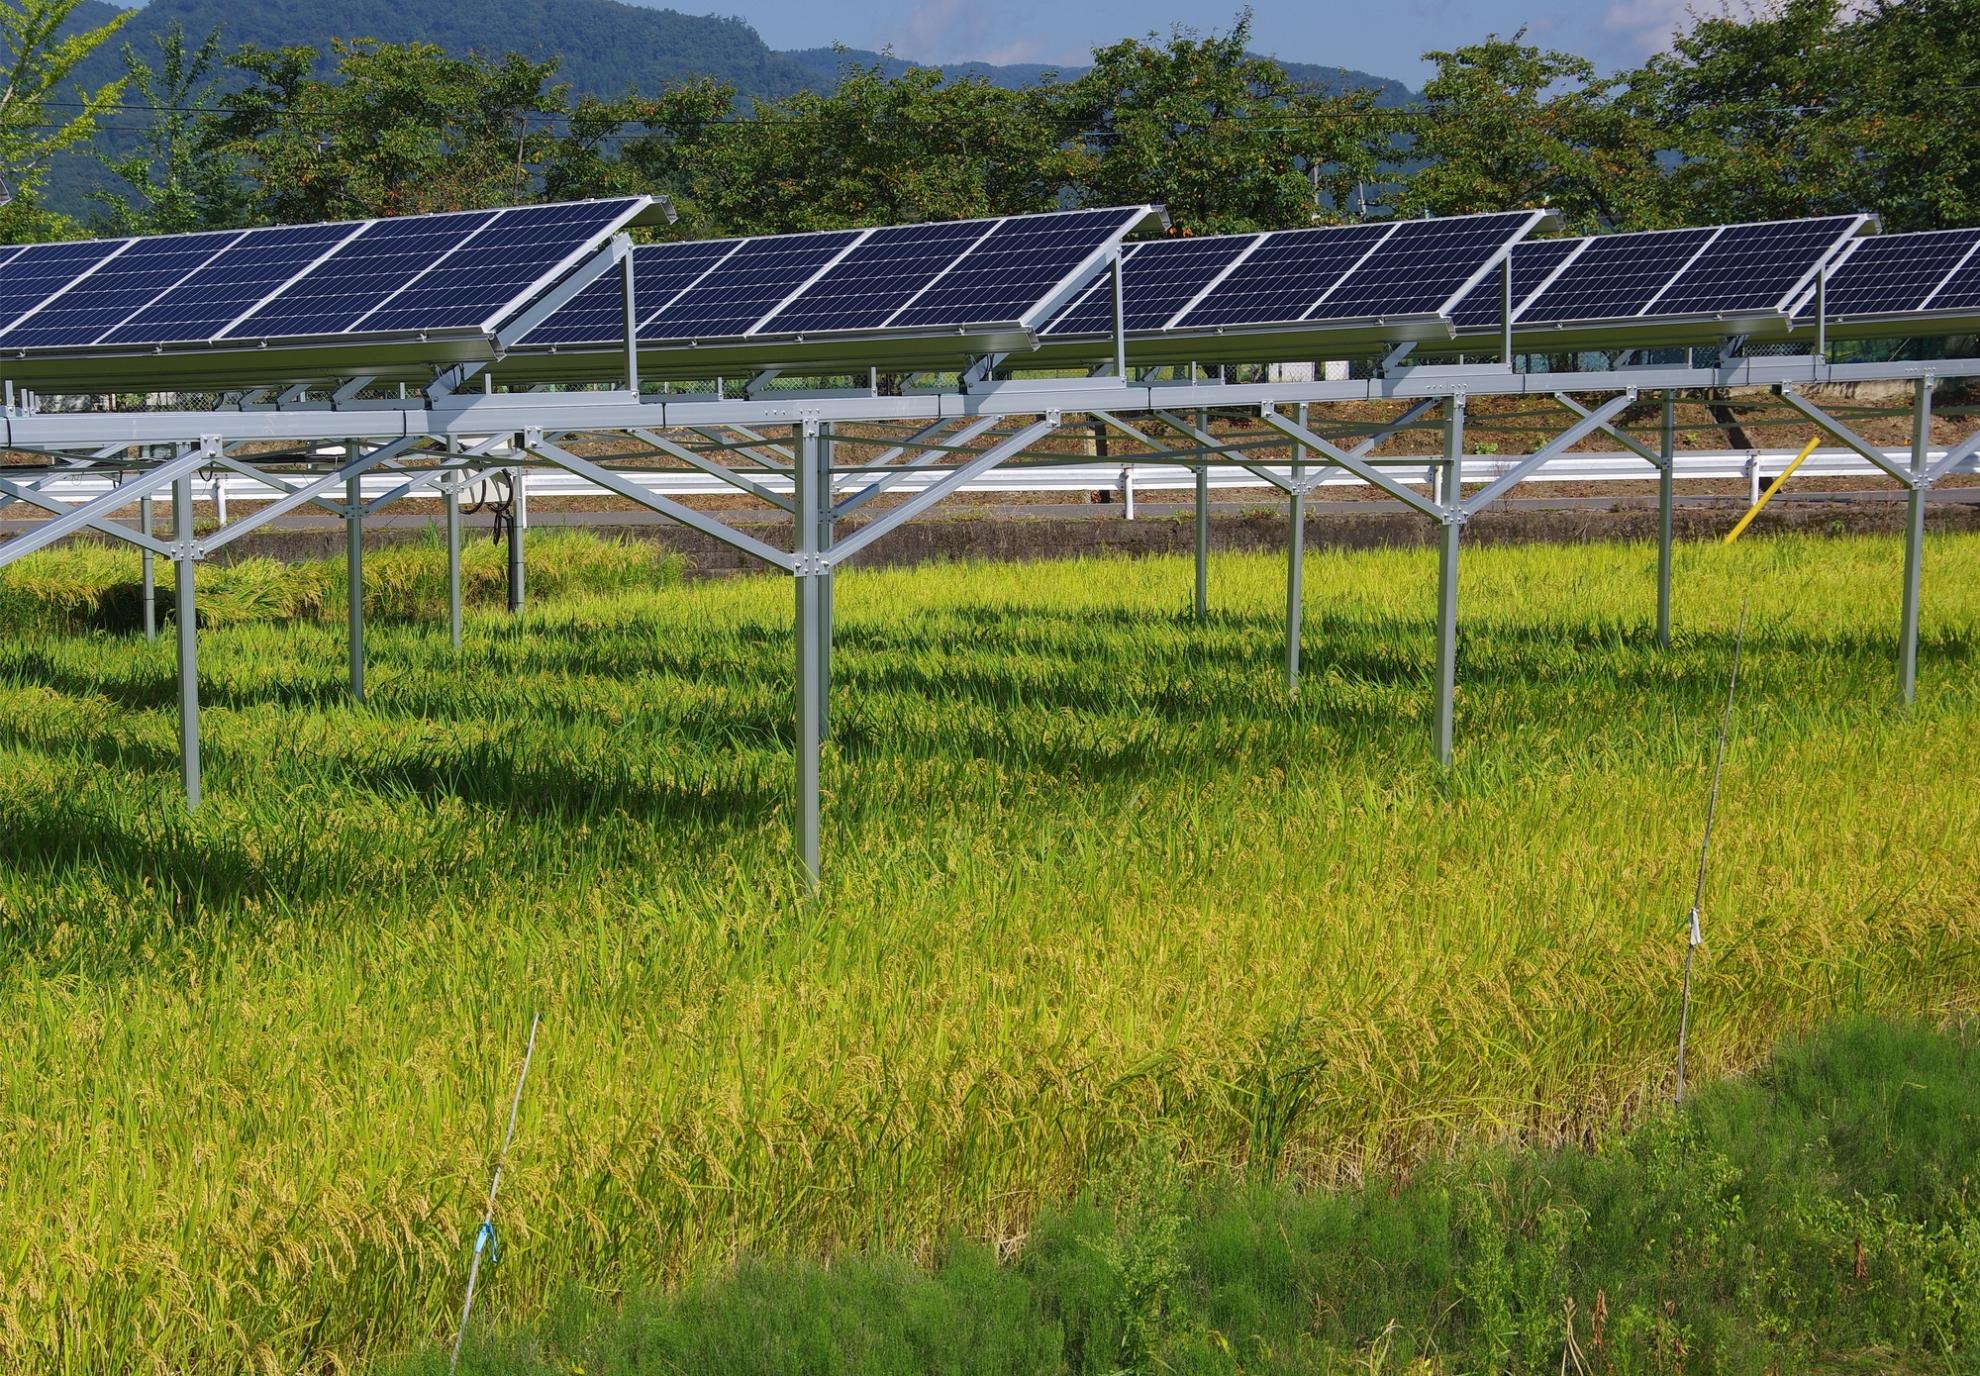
1418 268
470 285
660 273
1482 305
119 289
1961 291
1158 279
1752 267
202 303
358 277
1009 273
746 286
1894 274
38 271
1284 278
877 278
1615 276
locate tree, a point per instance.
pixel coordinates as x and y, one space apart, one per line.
1822 106
1223 138
877 150
38 60
1505 125
640 144
183 174
397 129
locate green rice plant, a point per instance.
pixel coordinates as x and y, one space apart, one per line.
1087 866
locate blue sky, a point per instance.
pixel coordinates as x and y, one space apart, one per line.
1387 37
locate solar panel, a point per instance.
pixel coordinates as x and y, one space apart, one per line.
230 283
1015 268
1961 291
660 273
1158 279
39 271
469 285
882 274
1420 267
1617 275
360 275
1284 277
1894 273
1754 267
747 285
1532 262
122 287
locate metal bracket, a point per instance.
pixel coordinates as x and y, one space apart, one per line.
808 421
810 565
532 436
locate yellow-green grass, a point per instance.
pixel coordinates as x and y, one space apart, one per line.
1091 880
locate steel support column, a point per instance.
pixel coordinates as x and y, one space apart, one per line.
1666 500
145 523
1202 532
1447 606
354 575
808 581
826 496
518 519
188 628
1295 560
1914 537
452 499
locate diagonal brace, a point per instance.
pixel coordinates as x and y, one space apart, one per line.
1954 457
308 492
1847 436
31 494
936 491
91 513
1615 432
717 470
1597 419
666 506
1330 452
884 481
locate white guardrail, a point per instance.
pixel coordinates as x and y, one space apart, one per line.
1126 479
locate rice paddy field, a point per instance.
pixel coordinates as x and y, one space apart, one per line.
1092 881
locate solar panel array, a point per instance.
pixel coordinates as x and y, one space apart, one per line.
1300 276
1902 274
947 275
1663 274
459 271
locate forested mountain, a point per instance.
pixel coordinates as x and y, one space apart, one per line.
603 47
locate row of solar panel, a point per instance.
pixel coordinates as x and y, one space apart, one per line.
906 277
420 272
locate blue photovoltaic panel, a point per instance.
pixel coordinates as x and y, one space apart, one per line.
1158 279
1618 275
1753 267
736 295
1483 304
1281 281
1961 291
471 285
356 279
38 271
1895 273
877 278
1421 266
119 289
1006 276
205 301
660 273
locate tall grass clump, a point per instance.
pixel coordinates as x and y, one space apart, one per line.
1093 881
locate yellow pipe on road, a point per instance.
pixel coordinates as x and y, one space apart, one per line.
1772 488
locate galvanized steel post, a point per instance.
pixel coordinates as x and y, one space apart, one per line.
1666 499
145 524
1914 537
1295 559
518 520
807 580
1447 582
1202 529
354 572
188 619
453 505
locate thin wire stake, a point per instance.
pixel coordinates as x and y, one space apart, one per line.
485 1234
1696 936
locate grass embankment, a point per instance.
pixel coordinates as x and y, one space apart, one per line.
1818 1218
1092 881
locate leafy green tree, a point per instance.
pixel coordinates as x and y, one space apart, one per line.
38 59
1506 125
877 150
1818 106
638 144
1225 139
181 173
395 129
